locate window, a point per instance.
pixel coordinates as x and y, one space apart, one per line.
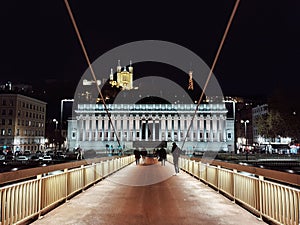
18 132
2 132
3 122
9 132
4 102
3 112
229 136
10 122
10 112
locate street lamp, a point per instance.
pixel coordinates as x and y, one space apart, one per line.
245 123
56 122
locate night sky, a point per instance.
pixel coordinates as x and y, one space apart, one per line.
260 56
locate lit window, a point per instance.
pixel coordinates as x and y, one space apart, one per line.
2 132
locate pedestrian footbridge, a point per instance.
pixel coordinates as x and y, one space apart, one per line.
117 191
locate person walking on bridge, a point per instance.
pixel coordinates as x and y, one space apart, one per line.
176 151
137 156
162 155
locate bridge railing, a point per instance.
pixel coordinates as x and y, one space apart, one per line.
262 195
24 200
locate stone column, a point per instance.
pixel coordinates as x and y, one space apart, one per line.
206 129
137 126
106 131
197 118
130 128
95 128
176 130
153 129
214 128
163 127
118 127
202 128
87 128
169 126
141 131
146 130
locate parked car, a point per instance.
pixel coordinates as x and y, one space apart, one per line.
50 153
198 153
47 158
27 152
21 158
60 155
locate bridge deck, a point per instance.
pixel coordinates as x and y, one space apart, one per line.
149 194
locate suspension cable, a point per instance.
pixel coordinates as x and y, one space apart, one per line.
90 67
212 68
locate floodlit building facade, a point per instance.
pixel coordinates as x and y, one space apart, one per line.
22 123
149 125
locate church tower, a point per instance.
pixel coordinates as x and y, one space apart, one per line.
125 78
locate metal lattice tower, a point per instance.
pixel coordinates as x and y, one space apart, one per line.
191 84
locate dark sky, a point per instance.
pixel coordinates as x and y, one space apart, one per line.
260 56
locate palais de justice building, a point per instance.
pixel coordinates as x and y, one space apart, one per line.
149 125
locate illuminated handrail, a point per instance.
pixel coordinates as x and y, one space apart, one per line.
274 201
25 200
268 199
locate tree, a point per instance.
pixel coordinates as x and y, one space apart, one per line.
271 125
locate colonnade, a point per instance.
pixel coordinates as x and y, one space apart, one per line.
162 126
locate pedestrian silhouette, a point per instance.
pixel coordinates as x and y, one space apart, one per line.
144 154
79 153
137 156
176 151
162 156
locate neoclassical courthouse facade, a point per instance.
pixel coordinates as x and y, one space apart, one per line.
148 125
